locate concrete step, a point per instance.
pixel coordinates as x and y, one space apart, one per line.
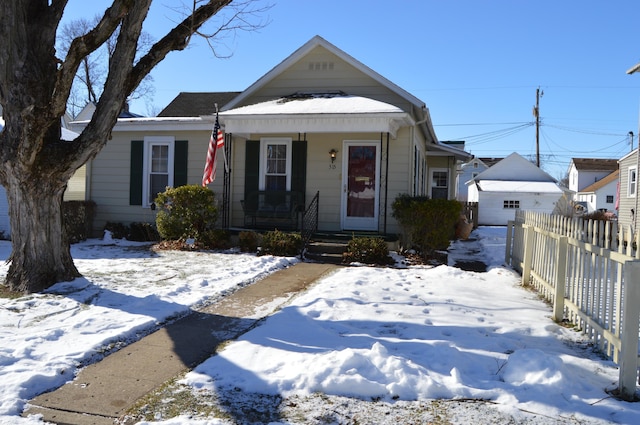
325 251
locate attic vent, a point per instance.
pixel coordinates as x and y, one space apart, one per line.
320 66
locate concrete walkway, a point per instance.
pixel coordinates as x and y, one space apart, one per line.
104 391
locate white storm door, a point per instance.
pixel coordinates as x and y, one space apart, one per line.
360 185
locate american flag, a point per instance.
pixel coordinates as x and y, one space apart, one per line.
216 142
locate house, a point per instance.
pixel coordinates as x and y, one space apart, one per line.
628 199
320 128
469 170
601 195
584 172
75 187
511 184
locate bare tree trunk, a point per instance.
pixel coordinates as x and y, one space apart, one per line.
35 164
41 254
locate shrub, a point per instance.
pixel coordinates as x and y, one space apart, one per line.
215 239
139 232
77 217
248 241
367 250
281 244
427 224
142 232
117 230
185 212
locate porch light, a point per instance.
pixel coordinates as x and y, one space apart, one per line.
332 155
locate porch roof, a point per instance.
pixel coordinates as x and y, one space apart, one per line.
318 113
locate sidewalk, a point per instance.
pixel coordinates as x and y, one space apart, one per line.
104 391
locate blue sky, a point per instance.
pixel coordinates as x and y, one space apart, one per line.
475 63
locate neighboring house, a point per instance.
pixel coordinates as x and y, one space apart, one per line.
319 123
75 188
584 172
601 195
628 202
469 170
511 184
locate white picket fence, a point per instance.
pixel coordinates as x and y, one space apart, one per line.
590 272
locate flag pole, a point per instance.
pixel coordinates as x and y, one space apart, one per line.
224 146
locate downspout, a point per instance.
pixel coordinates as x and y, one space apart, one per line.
386 183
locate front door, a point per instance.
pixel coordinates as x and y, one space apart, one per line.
360 188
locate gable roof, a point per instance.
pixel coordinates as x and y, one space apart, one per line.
515 168
594 164
609 178
187 104
490 162
304 50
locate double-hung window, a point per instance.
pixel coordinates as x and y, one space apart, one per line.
439 184
157 166
632 182
275 164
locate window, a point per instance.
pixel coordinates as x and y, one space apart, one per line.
275 164
439 184
509 204
475 164
631 188
609 199
157 167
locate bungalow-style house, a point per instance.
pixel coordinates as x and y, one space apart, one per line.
321 135
601 195
511 184
469 170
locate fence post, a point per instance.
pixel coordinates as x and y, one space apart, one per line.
629 338
508 245
528 254
561 277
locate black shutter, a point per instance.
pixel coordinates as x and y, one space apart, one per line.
180 162
299 168
135 172
251 167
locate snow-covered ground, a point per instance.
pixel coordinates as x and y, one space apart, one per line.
363 345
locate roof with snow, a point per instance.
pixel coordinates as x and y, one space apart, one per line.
518 186
316 103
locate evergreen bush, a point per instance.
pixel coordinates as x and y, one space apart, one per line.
367 250
427 224
185 212
248 241
77 217
280 243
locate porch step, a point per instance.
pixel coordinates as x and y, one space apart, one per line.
325 251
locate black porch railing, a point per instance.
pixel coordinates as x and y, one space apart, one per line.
309 221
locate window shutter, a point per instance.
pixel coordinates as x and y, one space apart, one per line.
180 162
135 172
251 167
299 168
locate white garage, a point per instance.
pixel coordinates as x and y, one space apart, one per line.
512 184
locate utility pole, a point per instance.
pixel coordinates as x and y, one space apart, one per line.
631 136
536 113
